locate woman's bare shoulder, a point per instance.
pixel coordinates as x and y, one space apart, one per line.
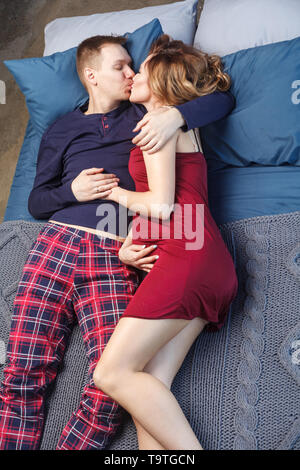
186 142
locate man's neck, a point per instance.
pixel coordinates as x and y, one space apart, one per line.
101 107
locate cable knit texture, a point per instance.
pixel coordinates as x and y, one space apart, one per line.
238 387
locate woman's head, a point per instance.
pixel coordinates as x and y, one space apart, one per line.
175 73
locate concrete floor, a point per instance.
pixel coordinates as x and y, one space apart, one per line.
22 24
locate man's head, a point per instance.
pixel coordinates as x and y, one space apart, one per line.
104 64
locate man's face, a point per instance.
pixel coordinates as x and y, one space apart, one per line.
114 74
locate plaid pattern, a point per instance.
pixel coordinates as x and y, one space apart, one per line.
68 273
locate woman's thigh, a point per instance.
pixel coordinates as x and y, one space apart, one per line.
135 341
168 360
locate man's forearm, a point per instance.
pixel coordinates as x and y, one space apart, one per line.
206 109
44 201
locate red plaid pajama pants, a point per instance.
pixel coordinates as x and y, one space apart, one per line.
68 272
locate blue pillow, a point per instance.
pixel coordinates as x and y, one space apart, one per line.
16 208
139 42
56 73
51 85
264 127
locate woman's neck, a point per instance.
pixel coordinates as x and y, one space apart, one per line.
152 104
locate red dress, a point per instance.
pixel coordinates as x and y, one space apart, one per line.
194 275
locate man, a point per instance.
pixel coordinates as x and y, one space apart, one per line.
73 269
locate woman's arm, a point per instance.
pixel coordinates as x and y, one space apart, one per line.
159 125
137 255
158 202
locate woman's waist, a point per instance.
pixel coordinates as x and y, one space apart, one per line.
185 223
182 210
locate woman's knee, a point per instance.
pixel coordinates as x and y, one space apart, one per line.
104 378
108 378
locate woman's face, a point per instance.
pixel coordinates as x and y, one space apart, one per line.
140 91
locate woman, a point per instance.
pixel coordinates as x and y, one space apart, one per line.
192 284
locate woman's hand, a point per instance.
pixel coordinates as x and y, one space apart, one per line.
138 256
156 128
91 184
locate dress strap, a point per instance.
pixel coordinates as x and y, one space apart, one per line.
197 138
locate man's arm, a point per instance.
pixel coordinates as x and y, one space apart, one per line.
159 125
206 109
48 194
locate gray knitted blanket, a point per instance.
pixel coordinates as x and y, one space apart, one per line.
239 387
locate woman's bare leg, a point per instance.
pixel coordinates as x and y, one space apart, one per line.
164 366
145 440
119 373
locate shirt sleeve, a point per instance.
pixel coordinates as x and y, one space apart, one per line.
48 194
206 109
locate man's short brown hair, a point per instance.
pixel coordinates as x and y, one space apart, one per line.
90 48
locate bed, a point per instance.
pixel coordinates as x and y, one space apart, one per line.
239 388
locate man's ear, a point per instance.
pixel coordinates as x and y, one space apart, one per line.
90 76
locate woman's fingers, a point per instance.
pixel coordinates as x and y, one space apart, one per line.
138 256
146 260
146 267
143 251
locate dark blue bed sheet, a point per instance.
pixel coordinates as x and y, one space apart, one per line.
239 193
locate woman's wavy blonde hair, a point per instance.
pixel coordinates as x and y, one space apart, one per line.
179 73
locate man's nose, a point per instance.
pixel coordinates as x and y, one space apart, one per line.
129 72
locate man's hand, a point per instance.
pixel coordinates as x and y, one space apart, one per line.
137 256
156 128
91 184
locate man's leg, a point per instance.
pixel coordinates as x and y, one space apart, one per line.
103 289
40 326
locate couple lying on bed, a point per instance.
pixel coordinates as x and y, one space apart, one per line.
85 261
